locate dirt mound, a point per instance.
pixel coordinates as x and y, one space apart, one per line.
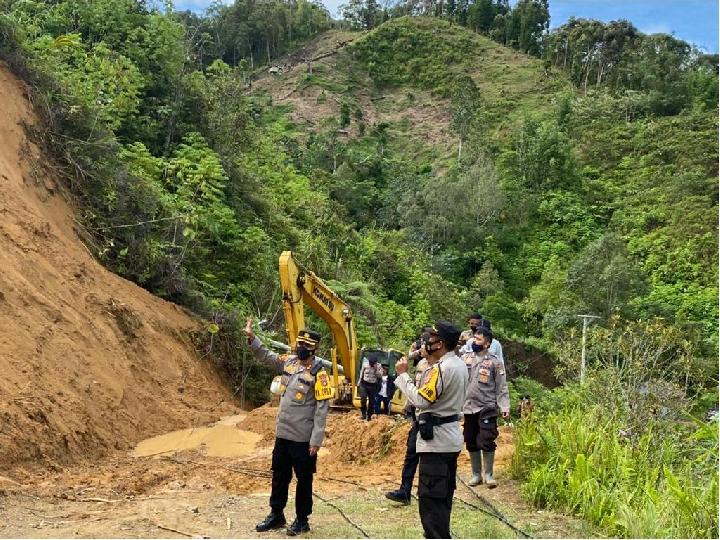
261 421
90 361
352 440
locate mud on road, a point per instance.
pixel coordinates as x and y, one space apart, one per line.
214 481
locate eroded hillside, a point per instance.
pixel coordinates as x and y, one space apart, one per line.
90 362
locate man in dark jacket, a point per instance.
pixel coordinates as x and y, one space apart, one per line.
385 392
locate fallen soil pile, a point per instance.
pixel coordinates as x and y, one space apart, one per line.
261 421
90 361
350 439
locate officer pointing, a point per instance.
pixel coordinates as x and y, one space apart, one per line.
439 400
305 393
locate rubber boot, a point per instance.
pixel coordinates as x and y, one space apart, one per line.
488 463
476 478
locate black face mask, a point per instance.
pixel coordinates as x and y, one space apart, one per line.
473 328
476 347
303 353
428 347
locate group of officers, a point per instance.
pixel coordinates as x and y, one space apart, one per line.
457 377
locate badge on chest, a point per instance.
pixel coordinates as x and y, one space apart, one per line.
484 371
323 390
301 387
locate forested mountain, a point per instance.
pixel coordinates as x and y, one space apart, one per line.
186 166
427 167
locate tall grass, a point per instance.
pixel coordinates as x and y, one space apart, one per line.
661 481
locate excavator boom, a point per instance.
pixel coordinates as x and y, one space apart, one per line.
301 287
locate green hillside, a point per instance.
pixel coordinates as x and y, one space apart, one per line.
573 173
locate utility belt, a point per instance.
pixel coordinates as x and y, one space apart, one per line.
426 424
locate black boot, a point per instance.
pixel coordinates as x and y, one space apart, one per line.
398 496
273 521
298 526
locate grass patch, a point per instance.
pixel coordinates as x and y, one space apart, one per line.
307 80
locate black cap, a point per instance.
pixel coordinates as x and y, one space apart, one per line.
309 337
485 323
447 332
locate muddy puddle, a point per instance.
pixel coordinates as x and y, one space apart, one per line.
222 439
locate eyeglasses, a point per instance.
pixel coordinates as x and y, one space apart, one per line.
433 342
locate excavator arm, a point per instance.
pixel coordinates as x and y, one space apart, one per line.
300 287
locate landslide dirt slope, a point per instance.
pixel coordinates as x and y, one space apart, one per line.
90 362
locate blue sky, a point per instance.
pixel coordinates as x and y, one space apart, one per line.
695 21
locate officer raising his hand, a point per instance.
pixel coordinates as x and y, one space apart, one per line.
304 403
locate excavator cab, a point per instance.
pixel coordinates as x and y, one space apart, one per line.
386 358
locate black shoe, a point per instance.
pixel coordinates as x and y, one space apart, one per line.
298 526
273 521
398 496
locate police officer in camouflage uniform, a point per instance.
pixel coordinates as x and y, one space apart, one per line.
439 400
305 393
486 396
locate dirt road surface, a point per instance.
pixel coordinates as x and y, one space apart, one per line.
195 483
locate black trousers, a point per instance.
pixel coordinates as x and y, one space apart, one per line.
286 457
411 461
435 492
368 392
382 404
480 434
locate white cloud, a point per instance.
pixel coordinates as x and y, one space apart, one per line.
656 28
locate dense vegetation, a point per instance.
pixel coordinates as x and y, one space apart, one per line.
581 181
621 450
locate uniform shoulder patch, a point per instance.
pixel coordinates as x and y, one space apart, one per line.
429 390
323 390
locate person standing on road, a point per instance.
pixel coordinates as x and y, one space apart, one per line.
439 400
370 377
486 396
304 403
418 355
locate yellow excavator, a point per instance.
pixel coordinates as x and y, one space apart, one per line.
302 287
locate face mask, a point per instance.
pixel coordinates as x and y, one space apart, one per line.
473 327
303 353
428 347
476 347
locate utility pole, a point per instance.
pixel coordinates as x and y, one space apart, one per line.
585 319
